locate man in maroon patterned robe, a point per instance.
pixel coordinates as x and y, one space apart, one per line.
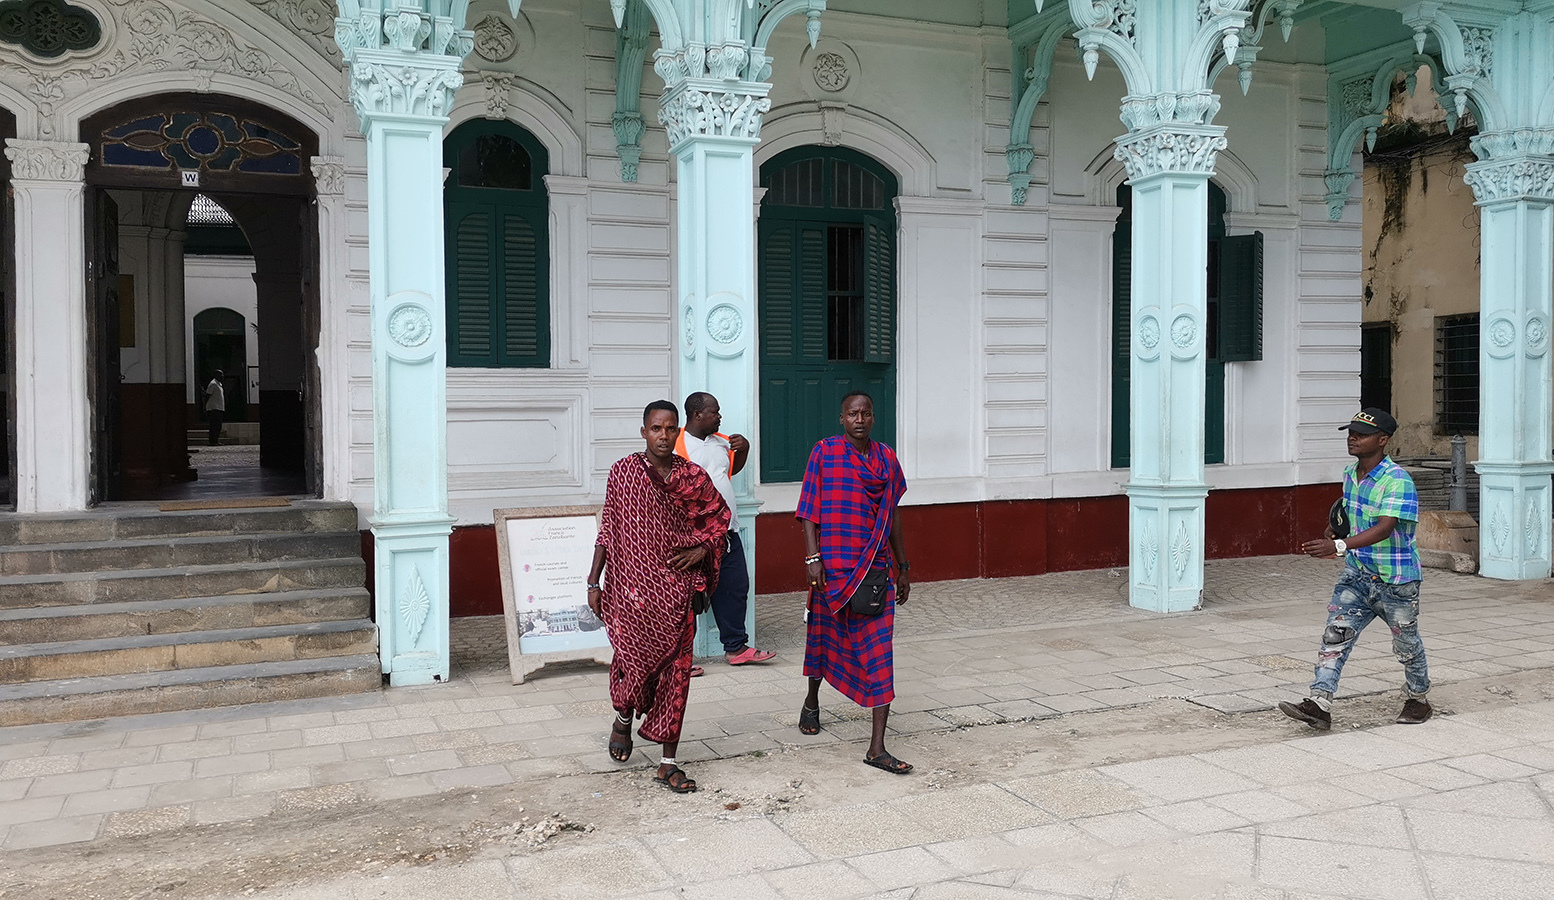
660 539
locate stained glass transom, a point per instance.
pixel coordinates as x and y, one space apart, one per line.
209 141
48 28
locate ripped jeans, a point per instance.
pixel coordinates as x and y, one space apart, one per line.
1359 598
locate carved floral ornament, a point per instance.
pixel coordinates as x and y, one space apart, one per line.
725 324
151 36
1162 151
409 325
831 72
495 40
392 89
694 112
1517 178
328 175
46 160
48 28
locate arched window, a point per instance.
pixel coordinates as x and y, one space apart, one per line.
827 259
498 247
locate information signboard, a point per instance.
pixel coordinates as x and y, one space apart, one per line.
545 554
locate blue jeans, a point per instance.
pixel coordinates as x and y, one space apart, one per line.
732 596
1359 598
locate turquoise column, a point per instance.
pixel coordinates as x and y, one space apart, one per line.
713 63
1169 168
403 61
1165 50
716 270
1502 66
1516 201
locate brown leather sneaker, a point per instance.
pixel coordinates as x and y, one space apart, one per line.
1415 712
1309 712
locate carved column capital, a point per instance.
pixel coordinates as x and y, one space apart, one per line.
391 83
1171 149
47 160
1513 165
328 175
704 108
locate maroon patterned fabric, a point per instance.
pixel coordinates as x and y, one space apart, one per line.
646 605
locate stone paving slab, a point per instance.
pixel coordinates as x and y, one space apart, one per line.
1111 832
1058 644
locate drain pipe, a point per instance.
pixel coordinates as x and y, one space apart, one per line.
1459 474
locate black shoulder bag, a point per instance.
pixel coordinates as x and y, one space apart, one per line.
869 598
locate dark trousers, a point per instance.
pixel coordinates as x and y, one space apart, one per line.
732 597
213 417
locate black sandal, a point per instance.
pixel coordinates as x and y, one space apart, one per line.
620 741
888 763
809 720
676 780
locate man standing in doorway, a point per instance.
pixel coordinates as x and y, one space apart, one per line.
723 457
661 536
215 406
1381 574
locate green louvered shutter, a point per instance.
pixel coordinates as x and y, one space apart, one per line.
525 319
471 297
810 277
879 287
1241 298
1122 342
497 247
777 289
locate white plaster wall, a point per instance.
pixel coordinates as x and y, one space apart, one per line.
225 282
1005 311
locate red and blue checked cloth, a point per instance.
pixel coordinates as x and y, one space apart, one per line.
851 498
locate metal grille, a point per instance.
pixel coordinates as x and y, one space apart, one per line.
1456 374
205 211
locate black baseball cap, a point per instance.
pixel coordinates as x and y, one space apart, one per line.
1371 420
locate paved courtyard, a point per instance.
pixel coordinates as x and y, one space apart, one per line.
1379 812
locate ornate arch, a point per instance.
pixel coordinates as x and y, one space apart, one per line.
797 125
502 96
1356 106
117 92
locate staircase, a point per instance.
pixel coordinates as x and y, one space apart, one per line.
128 610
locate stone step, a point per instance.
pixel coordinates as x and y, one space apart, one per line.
111 620
131 585
128 522
77 699
63 660
164 552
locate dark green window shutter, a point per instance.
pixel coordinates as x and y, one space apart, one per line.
471 299
879 285
497 247
812 290
777 288
1122 340
1241 298
525 319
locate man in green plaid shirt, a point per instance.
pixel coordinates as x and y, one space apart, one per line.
1381 574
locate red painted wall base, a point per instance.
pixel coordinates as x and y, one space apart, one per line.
994 539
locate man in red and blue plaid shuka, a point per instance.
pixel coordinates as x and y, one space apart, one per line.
849 510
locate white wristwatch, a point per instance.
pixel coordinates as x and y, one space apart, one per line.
1340 546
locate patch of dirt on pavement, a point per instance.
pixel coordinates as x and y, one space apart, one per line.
363 838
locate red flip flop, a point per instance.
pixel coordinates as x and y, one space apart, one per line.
697 671
749 655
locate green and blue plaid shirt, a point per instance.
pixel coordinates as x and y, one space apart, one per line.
1386 490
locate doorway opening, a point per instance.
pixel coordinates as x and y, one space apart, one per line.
203 301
